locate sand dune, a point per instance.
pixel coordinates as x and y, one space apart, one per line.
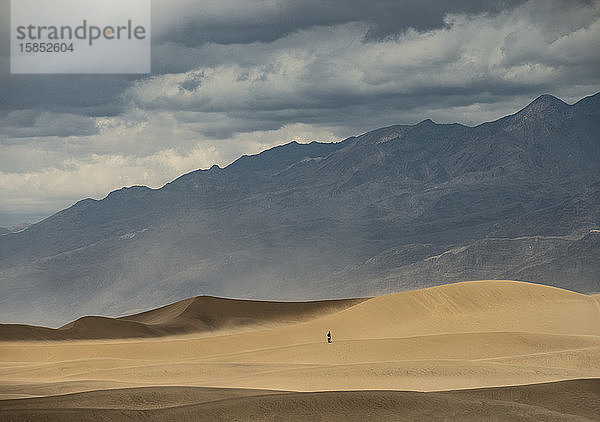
465 335
569 400
196 315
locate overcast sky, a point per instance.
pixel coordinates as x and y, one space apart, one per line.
232 77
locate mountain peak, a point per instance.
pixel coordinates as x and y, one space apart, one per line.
545 103
426 122
542 107
547 99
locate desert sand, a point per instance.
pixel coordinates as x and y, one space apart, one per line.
211 359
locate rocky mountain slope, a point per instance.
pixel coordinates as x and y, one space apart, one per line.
401 207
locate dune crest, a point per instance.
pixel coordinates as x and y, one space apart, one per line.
200 315
475 306
464 335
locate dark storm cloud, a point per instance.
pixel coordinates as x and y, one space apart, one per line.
35 123
268 21
180 26
331 75
91 95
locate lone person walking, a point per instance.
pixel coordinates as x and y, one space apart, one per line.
328 336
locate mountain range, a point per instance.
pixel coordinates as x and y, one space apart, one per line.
397 208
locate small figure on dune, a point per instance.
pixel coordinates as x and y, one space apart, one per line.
328 336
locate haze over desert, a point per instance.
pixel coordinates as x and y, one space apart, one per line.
460 336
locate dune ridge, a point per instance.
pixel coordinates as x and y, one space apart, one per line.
577 400
201 314
495 305
479 334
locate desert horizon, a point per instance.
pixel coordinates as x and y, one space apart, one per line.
471 348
